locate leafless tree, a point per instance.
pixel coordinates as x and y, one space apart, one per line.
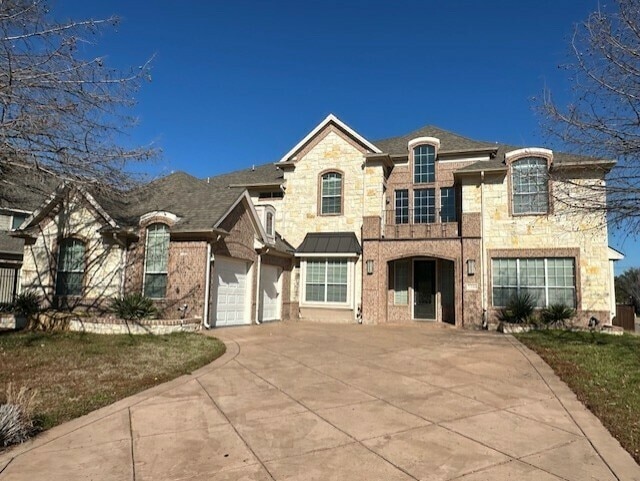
62 112
603 118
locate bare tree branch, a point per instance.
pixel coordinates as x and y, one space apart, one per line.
60 112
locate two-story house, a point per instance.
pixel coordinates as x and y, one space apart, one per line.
430 226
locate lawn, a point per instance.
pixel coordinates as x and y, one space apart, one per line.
604 372
76 373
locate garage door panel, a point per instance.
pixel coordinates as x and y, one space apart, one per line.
231 296
270 293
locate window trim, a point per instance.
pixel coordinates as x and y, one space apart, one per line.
415 164
433 215
321 196
146 258
269 223
13 218
60 243
520 154
546 287
303 281
453 196
408 264
399 214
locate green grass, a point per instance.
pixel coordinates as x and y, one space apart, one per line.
77 373
603 371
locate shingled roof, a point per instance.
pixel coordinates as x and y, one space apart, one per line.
448 141
451 142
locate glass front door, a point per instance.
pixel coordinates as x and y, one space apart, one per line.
424 290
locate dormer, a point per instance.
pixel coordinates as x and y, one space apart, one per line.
267 215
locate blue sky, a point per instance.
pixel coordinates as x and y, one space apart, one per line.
237 83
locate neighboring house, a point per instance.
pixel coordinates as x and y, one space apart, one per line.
21 191
428 226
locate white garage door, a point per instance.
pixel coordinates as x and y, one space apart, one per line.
232 307
269 293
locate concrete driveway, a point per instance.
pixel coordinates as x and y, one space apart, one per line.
301 401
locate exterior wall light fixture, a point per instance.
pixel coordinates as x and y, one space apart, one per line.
471 267
370 266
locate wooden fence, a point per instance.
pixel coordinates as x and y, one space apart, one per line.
625 317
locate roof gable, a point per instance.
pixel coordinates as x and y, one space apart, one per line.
329 120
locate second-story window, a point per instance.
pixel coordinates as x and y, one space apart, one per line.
424 206
270 223
331 193
530 184
424 160
156 261
402 206
447 204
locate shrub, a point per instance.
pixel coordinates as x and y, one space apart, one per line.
16 423
557 315
133 307
27 304
518 309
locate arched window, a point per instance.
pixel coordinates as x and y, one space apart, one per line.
70 277
331 193
270 230
424 164
530 186
156 261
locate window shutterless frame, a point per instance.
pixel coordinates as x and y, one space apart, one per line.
156 261
331 193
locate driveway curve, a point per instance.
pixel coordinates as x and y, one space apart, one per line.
302 401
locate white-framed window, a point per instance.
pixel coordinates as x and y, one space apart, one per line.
548 281
424 206
424 164
17 219
269 222
327 280
401 282
156 262
402 206
448 204
530 185
331 193
70 268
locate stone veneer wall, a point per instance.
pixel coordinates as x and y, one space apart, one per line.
73 217
546 235
119 326
362 188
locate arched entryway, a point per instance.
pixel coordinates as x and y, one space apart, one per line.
422 289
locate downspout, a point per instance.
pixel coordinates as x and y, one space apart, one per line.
207 288
257 312
483 279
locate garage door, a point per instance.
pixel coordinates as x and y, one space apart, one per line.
231 287
269 293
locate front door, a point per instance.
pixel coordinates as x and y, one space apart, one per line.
424 290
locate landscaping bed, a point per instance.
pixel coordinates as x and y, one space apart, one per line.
603 371
76 373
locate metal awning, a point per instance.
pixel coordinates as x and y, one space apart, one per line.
329 244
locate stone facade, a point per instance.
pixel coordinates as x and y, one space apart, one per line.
73 217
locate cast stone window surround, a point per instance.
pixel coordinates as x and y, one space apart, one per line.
331 195
529 180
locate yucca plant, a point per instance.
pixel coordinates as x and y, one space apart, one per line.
27 304
557 315
518 309
133 307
